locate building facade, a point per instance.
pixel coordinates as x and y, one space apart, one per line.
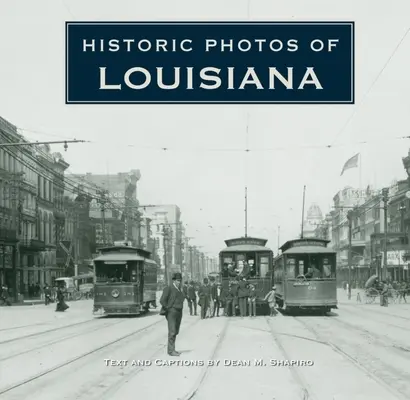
31 184
114 207
370 231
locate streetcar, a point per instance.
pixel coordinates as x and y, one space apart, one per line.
305 276
125 281
253 254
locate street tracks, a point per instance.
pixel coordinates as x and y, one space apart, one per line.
21 326
58 340
47 331
205 370
398 394
77 358
115 382
306 391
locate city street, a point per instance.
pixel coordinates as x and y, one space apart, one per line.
359 352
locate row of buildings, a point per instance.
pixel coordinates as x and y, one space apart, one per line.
370 209
52 223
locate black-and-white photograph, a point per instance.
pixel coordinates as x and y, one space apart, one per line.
204 200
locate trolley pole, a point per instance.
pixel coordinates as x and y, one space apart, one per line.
385 194
349 218
165 255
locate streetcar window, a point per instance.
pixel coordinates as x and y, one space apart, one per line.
290 268
316 266
114 272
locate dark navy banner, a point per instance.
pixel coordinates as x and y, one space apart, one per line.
210 62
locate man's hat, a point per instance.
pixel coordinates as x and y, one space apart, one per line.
205 280
177 276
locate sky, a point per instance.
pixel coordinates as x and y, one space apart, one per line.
205 167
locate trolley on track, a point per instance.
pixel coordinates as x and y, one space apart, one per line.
305 275
125 281
251 254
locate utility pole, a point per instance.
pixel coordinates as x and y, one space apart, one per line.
191 267
349 218
385 194
303 211
165 254
246 212
103 201
402 210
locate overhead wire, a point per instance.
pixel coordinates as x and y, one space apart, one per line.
246 149
73 184
356 110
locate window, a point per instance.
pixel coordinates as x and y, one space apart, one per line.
121 272
51 236
291 268
316 266
40 226
45 229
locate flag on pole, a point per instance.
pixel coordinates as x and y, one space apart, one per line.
351 163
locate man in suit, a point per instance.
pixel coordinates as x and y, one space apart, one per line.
204 294
191 296
217 299
243 294
212 303
172 300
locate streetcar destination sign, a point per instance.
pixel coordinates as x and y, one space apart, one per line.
246 241
308 243
256 62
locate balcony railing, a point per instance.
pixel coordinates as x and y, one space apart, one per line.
33 244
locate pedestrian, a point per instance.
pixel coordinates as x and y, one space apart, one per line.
61 304
191 296
204 294
217 300
383 295
235 302
252 301
172 301
229 298
271 299
403 292
37 289
5 295
47 295
212 303
185 289
243 294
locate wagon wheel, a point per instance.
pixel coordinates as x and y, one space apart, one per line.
394 295
371 295
77 295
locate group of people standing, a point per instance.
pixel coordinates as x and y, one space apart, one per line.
211 297
239 298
